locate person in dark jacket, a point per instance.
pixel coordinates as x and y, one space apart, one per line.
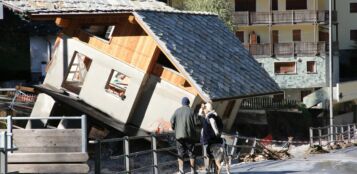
211 137
183 123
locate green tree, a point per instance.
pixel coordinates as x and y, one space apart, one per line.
223 8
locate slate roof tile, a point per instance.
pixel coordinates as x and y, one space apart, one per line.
215 61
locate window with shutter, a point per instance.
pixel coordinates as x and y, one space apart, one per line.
285 68
296 35
311 67
353 7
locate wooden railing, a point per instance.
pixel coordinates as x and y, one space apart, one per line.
287 49
281 17
259 103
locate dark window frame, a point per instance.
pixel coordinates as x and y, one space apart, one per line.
353 7
279 65
245 5
353 35
314 70
297 35
296 5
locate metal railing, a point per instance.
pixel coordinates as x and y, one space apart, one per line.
282 17
127 155
322 135
83 118
287 49
268 103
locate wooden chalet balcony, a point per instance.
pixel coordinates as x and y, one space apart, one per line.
287 49
282 17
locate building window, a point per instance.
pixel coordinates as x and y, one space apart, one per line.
311 66
296 4
102 31
285 68
353 35
245 5
353 7
117 84
240 35
296 35
77 72
274 4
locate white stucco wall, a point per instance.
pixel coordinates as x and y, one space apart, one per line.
93 91
159 101
262 6
308 33
348 91
346 22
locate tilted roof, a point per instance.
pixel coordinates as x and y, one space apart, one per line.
78 6
208 53
199 44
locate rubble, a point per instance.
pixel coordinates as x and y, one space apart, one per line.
316 149
263 152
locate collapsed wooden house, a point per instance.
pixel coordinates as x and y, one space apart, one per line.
128 63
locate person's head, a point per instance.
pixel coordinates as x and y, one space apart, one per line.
185 101
208 108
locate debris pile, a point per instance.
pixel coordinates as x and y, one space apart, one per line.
263 152
316 149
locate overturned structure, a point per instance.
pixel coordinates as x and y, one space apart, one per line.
128 63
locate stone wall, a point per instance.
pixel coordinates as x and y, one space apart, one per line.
301 79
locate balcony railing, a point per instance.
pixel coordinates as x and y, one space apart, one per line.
268 103
282 17
287 49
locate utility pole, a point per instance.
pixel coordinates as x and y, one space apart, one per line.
330 69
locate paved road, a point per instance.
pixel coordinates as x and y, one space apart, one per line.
338 162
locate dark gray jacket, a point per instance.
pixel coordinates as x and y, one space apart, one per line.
183 122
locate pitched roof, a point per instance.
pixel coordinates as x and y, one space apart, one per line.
208 54
199 44
84 6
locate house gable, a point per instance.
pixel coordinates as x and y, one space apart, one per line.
128 43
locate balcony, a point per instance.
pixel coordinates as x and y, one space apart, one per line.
261 103
282 17
287 49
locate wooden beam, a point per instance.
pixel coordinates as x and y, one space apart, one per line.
132 20
63 23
